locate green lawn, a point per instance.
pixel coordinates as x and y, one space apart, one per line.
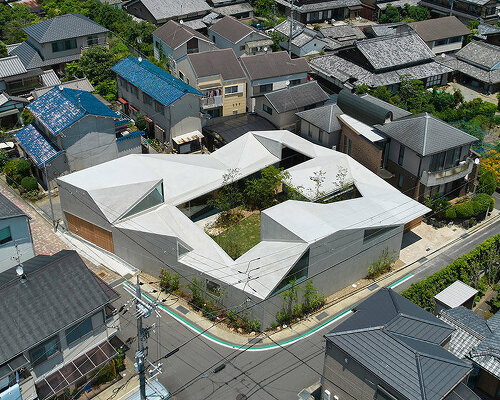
240 238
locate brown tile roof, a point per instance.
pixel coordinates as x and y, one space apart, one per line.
440 28
217 62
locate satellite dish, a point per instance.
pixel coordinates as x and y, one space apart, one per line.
140 59
181 22
265 49
287 83
19 271
476 161
60 87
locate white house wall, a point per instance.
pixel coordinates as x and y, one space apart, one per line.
21 236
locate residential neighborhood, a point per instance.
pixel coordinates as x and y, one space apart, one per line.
249 199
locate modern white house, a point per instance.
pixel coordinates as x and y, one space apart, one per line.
16 243
150 211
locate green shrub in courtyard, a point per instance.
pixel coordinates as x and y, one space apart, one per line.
29 183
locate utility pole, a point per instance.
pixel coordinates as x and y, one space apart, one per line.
291 29
139 356
50 197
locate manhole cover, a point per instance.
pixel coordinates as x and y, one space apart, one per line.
321 316
241 396
182 309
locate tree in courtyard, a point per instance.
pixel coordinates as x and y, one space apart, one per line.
412 94
229 195
3 50
261 193
318 177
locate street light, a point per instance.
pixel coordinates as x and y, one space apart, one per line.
50 197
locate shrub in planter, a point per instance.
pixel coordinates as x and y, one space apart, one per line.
464 210
29 183
492 203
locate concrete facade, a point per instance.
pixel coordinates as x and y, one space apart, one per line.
317 135
333 253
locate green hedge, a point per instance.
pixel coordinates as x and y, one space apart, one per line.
422 293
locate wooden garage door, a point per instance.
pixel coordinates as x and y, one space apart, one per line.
90 232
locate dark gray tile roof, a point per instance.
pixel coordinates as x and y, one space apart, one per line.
272 65
321 5
426 134
166 9
400 343
213 63
466 68
232 29
66 26
324 117
284 28
485 30
174 34
475 338
396 111
440 28
339 68
343 32
8 209
388 29
11 66
484 55
59 291
296 97
394 51
235 9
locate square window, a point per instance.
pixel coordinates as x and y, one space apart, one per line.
5 235
401 154
400 181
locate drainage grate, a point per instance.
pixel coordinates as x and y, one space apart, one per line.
183 310
372 287
103 274
321 316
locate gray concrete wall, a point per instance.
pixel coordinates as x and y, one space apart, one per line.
327 139
21 236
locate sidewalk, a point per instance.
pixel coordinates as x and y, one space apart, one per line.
44 238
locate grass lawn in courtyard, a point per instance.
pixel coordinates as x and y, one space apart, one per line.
241 237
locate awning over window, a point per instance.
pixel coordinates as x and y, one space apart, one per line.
122 100
70 373
133 108
188 137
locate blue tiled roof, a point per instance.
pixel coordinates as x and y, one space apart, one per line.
130 135
36 145
59 108
154 81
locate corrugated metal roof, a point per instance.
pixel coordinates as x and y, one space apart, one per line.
10 66
401 344
8 209
59 291
62 27
36 145
456 294
154 81
61 107
50 78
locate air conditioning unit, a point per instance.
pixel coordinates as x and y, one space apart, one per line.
334 147
326 395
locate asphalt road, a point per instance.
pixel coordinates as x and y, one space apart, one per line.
274 374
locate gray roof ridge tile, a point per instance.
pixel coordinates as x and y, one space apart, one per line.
420 376
369 329
464 327
429 322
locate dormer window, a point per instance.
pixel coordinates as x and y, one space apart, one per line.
153 198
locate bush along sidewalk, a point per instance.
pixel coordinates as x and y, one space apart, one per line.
205 301
294 307
480 268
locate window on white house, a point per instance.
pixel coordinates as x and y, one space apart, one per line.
153 198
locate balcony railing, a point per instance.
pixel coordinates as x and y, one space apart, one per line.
211 102
100 42
447 175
